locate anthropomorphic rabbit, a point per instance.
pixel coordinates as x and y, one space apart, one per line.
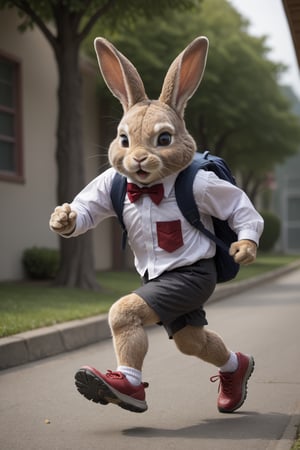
175 261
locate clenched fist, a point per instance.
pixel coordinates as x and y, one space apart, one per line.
243 251
63 219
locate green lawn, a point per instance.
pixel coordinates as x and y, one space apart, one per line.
264 263
296 445
29 305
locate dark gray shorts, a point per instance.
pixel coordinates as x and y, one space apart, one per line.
177 296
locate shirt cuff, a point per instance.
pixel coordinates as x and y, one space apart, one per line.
251 235
68 235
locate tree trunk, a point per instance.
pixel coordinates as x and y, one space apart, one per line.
77 262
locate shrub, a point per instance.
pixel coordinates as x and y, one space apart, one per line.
40 262
271 231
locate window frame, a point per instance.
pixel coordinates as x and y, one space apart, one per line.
16 176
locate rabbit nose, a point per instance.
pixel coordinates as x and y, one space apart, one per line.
139 159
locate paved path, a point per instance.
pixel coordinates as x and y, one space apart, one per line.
182 411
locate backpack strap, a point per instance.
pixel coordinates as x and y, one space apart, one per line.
185 196
117 195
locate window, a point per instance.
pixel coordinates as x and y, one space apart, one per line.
11 155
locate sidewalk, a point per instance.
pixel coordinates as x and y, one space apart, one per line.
49 341
41 410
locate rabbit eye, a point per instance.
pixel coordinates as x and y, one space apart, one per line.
164 139
124 140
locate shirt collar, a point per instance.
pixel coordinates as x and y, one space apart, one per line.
168 183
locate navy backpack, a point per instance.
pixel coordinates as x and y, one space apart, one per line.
223 235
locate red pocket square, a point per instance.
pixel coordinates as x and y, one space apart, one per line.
169 235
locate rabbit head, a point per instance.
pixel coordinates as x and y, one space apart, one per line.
152 141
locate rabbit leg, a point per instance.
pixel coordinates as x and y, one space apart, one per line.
127 318
202 343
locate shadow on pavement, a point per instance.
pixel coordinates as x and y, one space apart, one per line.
246 425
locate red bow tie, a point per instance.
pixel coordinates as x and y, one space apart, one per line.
155 192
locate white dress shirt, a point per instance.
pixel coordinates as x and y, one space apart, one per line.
214 197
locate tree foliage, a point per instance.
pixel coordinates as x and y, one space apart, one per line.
65 24
240 111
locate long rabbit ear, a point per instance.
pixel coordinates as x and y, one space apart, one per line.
119 74
184 75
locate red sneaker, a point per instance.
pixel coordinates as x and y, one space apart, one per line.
110 388
233 385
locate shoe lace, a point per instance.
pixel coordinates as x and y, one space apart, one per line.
120 376
115 375
225 382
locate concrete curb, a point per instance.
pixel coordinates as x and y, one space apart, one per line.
49 341
228 289
289 435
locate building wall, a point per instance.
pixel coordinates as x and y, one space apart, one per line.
287 204
25 207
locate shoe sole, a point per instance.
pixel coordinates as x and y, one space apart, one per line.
97 390
244 388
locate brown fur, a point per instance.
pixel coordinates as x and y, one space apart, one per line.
142 122
127 318
202 343
146 161
145 120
